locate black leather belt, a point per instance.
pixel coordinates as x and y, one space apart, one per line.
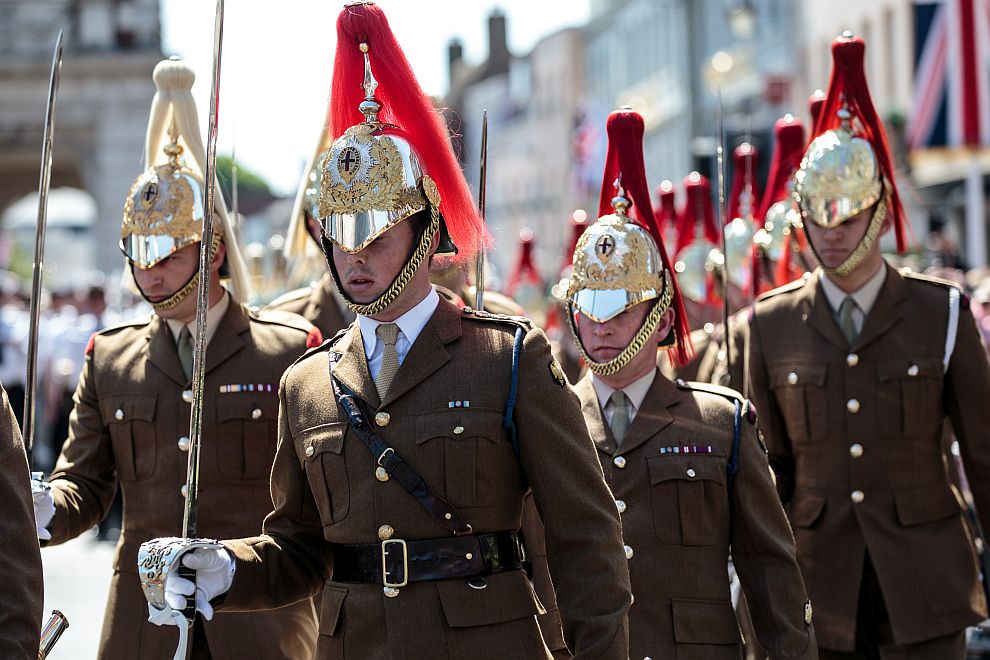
396 562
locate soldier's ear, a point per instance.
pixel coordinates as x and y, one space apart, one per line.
219 257
665 326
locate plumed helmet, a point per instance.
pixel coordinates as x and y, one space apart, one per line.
619 261
847 168
164 209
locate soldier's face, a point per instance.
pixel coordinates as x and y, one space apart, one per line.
603 341
171 274
835 245
365 275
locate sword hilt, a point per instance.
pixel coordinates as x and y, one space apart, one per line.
189 611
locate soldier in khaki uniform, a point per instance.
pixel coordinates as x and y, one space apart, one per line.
319 303
854 371
20 557
130 420
408 444
688 472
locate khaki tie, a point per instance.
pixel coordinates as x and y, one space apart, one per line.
846 321
185 349
387 333
620 414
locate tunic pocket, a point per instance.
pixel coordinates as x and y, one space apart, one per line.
689 502
799 388
130 420
910 391
705 629
247 430
321 449
470 441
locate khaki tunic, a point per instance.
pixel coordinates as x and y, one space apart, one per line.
325 492
855 437
319 304
22 595
677 530
131 407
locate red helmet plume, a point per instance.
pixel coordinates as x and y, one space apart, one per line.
788 149
666 213
697 209
745 161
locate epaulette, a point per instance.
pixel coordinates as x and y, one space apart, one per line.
784 288
314 337
482 315
928 279
109 330
290 296
749 410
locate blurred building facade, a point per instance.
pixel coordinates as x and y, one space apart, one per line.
111 48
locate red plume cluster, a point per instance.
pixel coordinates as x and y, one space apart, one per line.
745 160
697 210
625 161
666 214
847 84
405 105
525 266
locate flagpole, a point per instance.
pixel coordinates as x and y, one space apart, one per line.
976 231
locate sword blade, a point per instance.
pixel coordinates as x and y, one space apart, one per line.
479 266
44 183
189 521
722 213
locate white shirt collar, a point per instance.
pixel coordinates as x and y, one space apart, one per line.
213 317
410 324
635 391
865 296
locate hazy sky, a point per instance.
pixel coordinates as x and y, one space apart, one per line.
277 60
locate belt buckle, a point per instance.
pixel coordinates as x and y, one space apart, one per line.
405 563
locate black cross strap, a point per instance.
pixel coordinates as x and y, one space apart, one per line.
386 457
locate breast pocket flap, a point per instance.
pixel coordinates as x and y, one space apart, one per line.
460 423
321 439
686 467
915 507
798 374
127 408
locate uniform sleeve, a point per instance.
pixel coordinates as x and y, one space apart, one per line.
290 560
764 556
85 476
20 556
966 393
771 420
536 554
583 536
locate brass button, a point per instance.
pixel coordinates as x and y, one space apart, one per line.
119 415
913 370
629 551
385 532
857 496
852 359
381 474
382 419
391 592
619 461
808 613
620 505
187 396
691 473
856 450
184 443
792 378
469 556
184 490
256 413
310 451
458 430
852 405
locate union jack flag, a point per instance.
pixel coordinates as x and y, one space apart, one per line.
951 74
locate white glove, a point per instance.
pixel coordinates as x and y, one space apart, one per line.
214 575
44 505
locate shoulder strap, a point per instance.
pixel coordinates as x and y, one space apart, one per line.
953 327
508 419
387 459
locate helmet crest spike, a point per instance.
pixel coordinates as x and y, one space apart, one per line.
364 35
848 89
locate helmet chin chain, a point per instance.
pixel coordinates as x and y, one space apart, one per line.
638 341
856 257
191 284
390 294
